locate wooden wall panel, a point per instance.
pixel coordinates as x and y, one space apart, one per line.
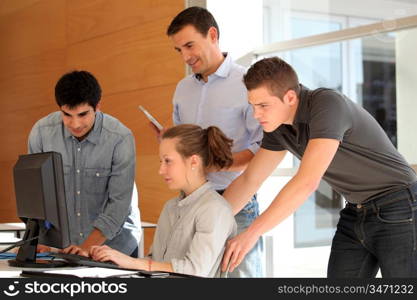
10 6
8 207
124 106
32 28
135 58
88 19
123 43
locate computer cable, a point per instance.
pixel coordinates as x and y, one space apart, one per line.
17 244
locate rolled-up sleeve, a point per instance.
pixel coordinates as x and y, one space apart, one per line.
120 187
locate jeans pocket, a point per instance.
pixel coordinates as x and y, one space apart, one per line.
399 212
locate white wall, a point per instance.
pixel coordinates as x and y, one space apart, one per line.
406 72
240 23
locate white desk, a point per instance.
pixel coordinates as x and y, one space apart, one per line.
7 271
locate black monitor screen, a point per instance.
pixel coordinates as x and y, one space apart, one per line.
41 203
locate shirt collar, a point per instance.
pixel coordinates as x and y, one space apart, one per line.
183 200
223 70
94 135
301 116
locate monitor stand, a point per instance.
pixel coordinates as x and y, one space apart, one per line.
26 256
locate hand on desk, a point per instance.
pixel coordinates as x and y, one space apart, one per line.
43 248
105 253
73 249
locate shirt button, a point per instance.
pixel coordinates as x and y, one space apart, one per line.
78 171
98 174
78 192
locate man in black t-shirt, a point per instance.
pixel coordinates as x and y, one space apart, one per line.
336 140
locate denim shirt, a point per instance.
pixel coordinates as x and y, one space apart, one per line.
99 175
222 101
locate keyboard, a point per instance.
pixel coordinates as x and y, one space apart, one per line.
79 260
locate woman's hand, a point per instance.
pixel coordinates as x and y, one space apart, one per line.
105 253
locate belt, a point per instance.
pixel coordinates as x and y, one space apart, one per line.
378 201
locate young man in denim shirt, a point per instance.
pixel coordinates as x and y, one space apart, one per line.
98 154
215 95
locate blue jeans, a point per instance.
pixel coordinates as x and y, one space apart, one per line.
380 233
251 266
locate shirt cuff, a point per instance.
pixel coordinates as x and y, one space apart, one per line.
177 265
107 227
254 148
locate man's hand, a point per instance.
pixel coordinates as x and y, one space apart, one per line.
236 250
73 249
42 248
158 132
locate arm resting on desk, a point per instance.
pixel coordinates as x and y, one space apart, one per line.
105 253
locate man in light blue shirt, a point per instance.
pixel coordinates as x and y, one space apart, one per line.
216 96
98 154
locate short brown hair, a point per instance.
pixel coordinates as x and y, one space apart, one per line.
199 17
274 73
210 144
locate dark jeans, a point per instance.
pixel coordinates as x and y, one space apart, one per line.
380 233
135 253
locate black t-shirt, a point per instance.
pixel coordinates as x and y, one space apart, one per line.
366 163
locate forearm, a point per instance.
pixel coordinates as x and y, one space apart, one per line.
285 203
239 192
240 161
148 264
96 238
161 266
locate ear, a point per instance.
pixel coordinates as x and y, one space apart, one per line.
98 106
290 97
194 161
213 34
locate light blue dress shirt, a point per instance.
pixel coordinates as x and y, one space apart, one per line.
99 175
222 101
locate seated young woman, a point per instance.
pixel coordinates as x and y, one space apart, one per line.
193 227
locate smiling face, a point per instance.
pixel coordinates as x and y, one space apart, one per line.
79 120
270 111
200 52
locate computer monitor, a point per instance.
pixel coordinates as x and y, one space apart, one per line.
41 204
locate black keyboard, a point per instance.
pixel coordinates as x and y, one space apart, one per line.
79 260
